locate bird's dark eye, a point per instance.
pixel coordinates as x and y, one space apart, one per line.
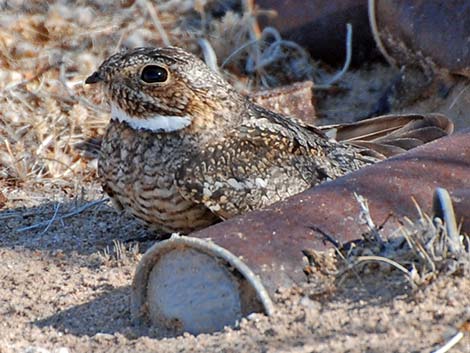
153 74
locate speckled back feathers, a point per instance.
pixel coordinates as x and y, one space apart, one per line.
234 157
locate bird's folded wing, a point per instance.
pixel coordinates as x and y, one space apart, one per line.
248 171
391 134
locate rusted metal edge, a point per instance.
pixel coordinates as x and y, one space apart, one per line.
264 248
430 35
144 305
271 240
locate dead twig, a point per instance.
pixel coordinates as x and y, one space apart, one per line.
373 258
340 74
449 344
262 55
367 219
49 223
65 216
156 21
210 57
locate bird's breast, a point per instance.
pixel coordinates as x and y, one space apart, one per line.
137 169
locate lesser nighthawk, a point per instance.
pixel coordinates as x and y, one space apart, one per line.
184 149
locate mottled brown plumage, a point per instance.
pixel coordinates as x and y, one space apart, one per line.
184 149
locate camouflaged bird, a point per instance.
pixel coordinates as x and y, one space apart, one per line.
184 149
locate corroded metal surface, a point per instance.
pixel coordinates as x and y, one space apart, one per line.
430 34
185 284
320 26
270 241
292 100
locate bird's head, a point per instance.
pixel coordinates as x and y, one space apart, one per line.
163 89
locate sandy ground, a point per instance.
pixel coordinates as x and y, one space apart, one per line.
65 288
67 258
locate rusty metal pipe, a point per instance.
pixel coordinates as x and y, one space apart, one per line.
428 34
320 27
270 241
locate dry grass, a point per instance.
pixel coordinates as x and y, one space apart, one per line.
420 249
410 264
48 49
120 254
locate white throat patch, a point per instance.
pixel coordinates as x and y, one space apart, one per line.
156 123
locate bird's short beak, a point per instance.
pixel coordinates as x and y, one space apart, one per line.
94 78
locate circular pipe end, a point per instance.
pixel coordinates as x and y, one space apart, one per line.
186 284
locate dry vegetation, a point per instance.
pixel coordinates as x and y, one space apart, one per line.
420 250
65 257
48 49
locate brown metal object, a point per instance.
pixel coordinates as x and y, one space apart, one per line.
185 284
270 241
213 278
320 26
428 34
293 100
